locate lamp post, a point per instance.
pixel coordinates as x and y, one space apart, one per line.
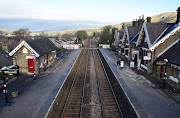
165 74
5 86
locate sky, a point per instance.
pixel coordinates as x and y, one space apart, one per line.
105 11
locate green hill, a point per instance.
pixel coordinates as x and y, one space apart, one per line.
168 17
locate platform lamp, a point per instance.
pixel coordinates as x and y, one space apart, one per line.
165 74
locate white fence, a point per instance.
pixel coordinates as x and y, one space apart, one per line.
104 45
71 46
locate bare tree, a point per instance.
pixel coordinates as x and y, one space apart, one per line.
22 33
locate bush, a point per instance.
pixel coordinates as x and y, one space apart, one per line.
60 49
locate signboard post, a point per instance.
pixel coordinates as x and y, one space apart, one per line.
34 58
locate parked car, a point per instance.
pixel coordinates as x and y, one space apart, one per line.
13 69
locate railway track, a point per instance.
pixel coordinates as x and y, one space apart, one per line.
109 105
73 105
91 90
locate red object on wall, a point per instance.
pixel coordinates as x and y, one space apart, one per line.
31 65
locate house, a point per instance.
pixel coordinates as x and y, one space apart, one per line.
148 35
153 39
118 38
34 55
129 34
70 44
172 56
134 51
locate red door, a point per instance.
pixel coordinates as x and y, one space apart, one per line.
31 65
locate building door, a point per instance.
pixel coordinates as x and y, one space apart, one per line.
135 60
31 65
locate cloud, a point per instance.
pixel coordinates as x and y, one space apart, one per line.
32 10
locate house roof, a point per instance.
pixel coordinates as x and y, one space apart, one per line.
5 60
42 46
172 54
133 31
155 30
134 40
171 27
38 46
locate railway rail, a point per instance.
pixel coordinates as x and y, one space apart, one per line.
109 105
74 102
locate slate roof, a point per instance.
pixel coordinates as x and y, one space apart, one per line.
171 27
134 40
155 30
133 31
172 54
5 60
42 46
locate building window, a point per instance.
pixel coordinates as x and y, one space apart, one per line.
126 52
24 50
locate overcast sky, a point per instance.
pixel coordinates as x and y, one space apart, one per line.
91 10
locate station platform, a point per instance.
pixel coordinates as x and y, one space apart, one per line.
38 94
147 100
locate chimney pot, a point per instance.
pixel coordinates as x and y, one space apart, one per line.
148 19
140 21
142 16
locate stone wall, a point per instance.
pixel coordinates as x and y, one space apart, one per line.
20 59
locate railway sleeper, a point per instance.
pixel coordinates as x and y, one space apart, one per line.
106 95
76 94
71 115
106 91
73 107
109 104
74 103
112 116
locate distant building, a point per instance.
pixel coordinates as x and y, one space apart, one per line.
56 41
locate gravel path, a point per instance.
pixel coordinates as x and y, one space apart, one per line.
91 107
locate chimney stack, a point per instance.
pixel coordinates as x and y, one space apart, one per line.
135 23
141 20
148 19
178 15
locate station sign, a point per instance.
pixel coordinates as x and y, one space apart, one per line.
160 63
